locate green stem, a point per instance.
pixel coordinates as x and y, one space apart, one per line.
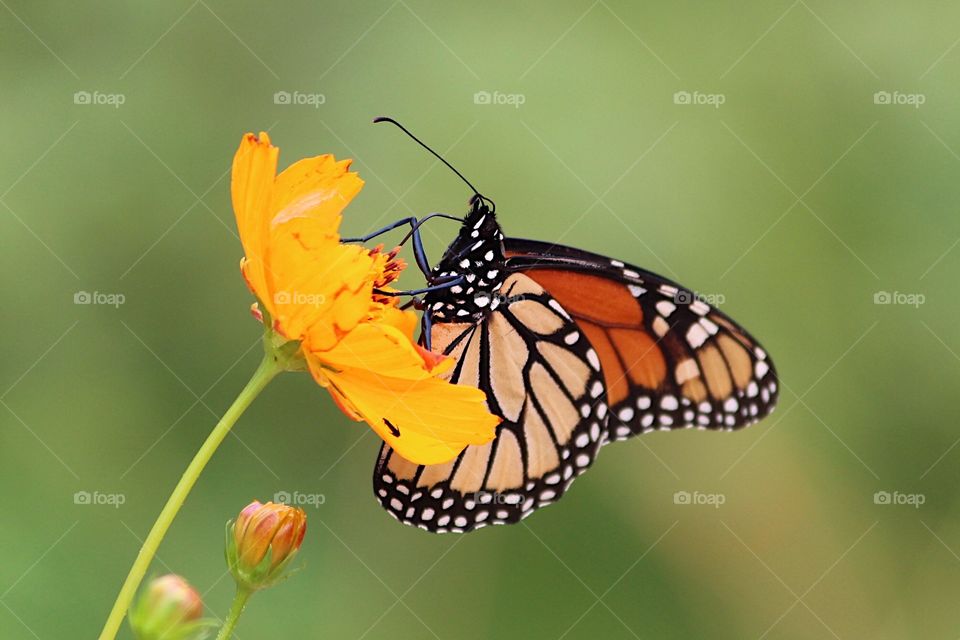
239 602
269 367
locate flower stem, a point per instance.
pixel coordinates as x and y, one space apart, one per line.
269 367
239 602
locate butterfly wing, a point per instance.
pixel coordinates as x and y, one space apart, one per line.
580 350
669 359
543 378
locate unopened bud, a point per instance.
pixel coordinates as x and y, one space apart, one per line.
262 543
169 609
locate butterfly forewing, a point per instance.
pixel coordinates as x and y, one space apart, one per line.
670 360
544 379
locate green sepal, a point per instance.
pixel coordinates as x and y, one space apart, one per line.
285 352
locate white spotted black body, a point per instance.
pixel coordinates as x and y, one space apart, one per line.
477 256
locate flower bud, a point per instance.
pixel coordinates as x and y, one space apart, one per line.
262 542
169 609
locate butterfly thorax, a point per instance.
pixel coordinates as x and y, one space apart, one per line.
476 256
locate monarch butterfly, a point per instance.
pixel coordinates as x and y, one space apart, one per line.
574 350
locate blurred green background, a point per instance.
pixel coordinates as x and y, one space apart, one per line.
783 187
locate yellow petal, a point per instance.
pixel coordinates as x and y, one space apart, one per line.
319 288
427 421
251 187
406 321
382 349
318 188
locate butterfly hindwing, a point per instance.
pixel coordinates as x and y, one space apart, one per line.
670 360
543 378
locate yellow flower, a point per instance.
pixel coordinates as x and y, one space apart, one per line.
319 292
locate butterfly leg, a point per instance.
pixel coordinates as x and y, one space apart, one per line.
379 232
426 327
426 324
441 284
419 253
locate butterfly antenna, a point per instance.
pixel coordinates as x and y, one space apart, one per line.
435 154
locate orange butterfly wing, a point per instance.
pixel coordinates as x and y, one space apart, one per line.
669 359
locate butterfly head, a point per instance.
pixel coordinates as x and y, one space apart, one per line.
477 257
